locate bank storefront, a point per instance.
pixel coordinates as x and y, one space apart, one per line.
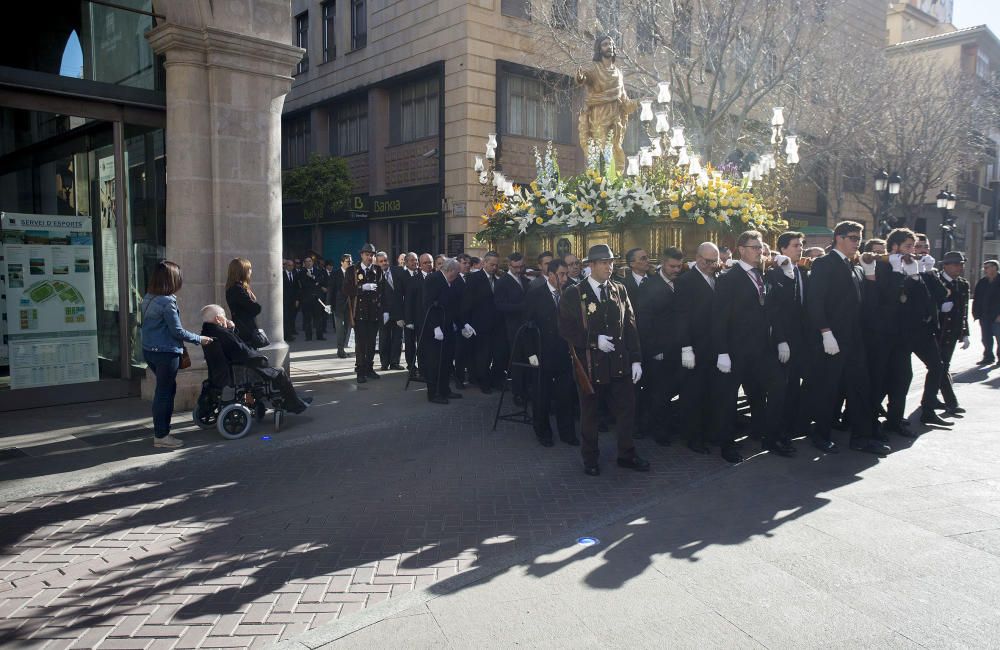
397 221
82 192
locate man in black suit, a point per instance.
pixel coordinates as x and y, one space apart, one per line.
390 333
290 298
413 306
787 287
985 307
362 286
508 297
311 286
479 312
637 268
954 315
555 370
834 306
463 347
741 340
656 321
695 289
441 305
410 269
338 300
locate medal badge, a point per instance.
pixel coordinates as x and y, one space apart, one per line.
591 308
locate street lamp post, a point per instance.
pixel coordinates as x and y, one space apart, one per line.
946 202
886 191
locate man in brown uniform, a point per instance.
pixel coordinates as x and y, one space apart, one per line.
596 319
364 297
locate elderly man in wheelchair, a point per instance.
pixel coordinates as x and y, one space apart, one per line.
240 385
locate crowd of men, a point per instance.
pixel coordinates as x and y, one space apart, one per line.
816 338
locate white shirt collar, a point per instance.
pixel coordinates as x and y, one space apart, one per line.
638 278
842 256
551 288
424 273
709 279
596 286
513 276
746 267
665 278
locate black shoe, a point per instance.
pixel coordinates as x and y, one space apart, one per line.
572 442
454 396
394 366
954 410
699 448
362 379
928 416
985 361
518 400
826 446
438 400
592 470
546 442
341 354
383 368
781 449
372 375
636 463
870 446
902 431
663 442
730 455
486 390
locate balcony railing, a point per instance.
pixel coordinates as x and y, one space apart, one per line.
975 194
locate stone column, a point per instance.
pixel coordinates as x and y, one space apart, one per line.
224 92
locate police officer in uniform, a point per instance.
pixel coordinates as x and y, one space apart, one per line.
954 316
362 282
596 319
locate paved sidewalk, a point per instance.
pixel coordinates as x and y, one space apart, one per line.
358 507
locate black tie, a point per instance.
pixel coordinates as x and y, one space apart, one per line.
798 288
854 278
604 293
555 296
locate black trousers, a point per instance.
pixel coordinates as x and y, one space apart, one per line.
925 346
661 383
312 317
846 371
794 417
489 357
410 348
554 389
340 324
620 398
436 358
695 406
281 382
365 333
991 343
947 385
761 376
390 344
290 312
891 373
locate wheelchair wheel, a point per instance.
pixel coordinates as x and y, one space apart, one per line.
204 420
279 417
235 421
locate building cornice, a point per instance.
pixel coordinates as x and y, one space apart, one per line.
214 47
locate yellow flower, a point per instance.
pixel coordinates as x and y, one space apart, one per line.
484 218
700 193
498 207
534 185
729 212
713 204
701 221
598 179
674 213
538 220
687 206
724 202
543 200
598 218
745 218
604 195
531 210
549 212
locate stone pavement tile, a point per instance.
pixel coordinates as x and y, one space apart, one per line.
952 520
841 569
987 540
419 631
695 632
476 623
931 614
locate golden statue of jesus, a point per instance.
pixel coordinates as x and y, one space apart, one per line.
607 106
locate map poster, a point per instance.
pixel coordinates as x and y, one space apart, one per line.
50 299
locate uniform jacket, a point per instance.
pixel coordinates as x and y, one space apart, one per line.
540 311
583 317
955 323
366 306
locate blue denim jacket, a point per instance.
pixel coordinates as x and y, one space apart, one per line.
161 325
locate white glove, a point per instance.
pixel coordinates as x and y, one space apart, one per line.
830 344
896 262
947 307
659 357
724 364
410 326
730 263
385 317
328 309
636 372
785 264
687 357
604 343
401 324
369 286
869 267
927 263
438 334
913 268
966 343
784 352
468 331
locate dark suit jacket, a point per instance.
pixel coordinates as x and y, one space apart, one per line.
393 297
309 289
787 314
413 301
984 299
739 320
508 297
335 289
656 319
227 349
441 306
694 310
478 308
290 288
635 292
540 310
833 302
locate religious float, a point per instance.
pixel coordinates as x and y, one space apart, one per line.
661 196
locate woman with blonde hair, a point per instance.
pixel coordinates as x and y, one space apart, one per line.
243 305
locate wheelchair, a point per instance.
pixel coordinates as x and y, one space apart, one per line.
233 409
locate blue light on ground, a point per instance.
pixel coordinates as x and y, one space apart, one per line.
265 437
588 541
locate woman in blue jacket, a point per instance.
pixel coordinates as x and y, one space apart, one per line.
163 339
